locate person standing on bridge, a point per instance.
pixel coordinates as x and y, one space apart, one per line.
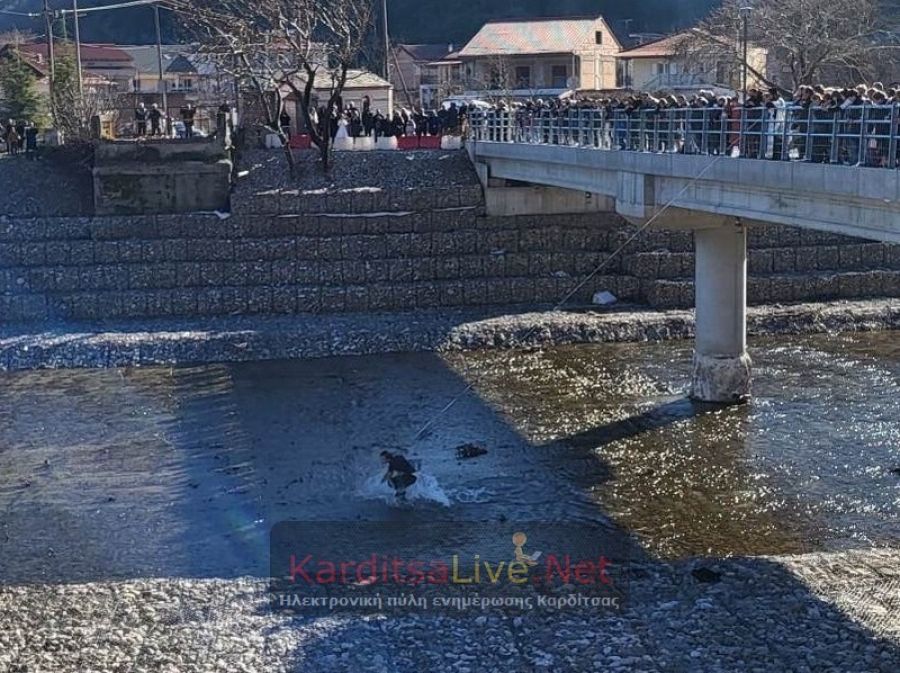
140 120
155 117
188 114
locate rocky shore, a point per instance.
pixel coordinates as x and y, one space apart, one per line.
242 339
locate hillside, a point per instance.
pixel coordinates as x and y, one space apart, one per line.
447 20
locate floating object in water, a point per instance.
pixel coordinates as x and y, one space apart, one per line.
470 451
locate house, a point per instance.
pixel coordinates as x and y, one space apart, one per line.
37 67
667 65
102 63
422 74
184 71
360 85
441 79
35 58
540 57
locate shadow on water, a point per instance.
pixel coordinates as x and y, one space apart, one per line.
181 473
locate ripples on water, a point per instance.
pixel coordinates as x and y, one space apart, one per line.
163 471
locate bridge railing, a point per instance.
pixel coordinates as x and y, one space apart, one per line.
864 135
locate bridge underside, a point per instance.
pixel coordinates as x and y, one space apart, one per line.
859 202
718 198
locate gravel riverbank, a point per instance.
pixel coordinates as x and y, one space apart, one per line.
259 338
44 187
819 613
266 170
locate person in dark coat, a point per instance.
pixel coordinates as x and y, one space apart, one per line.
140 120
400 473
155 116
188 114
284 121
31 134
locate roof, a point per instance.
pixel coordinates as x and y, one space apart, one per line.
175 59
534 36
426 52
363 79
669 45
89 52
356 79
666 46
30 60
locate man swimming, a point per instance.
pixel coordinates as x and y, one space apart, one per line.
400 473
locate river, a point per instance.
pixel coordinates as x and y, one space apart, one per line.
183 471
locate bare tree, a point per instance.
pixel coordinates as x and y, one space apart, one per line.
494 78
806 40
278 47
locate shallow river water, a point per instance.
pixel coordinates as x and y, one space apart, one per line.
182 472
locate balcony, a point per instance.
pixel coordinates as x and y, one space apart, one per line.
678 80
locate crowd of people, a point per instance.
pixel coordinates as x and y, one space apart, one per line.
19 136
158 122
819 124
357 122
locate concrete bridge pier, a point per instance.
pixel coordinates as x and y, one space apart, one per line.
721 364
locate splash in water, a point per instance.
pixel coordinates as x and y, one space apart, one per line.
426 489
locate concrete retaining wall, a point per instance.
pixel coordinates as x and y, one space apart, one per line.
286 253
161 176
407 251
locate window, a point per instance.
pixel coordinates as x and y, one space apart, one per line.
598 37
559 77
722 72
523 77
499 77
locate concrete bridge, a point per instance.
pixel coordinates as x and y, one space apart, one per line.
716 196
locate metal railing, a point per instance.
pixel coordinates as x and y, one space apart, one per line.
865 135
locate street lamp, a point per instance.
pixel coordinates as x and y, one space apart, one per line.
745 39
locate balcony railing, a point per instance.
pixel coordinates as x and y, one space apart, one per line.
865 135
674 80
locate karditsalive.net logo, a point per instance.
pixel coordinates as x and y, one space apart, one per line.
387 571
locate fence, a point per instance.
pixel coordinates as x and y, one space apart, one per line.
865 135
123 124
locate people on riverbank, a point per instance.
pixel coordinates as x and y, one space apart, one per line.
403 122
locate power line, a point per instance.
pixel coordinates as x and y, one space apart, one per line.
87 10
106 8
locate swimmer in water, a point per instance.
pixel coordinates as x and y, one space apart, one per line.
400 473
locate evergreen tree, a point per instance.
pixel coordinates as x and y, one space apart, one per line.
19 98
71 112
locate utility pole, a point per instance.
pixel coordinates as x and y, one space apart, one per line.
48 27
159 59
387 41
78 50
